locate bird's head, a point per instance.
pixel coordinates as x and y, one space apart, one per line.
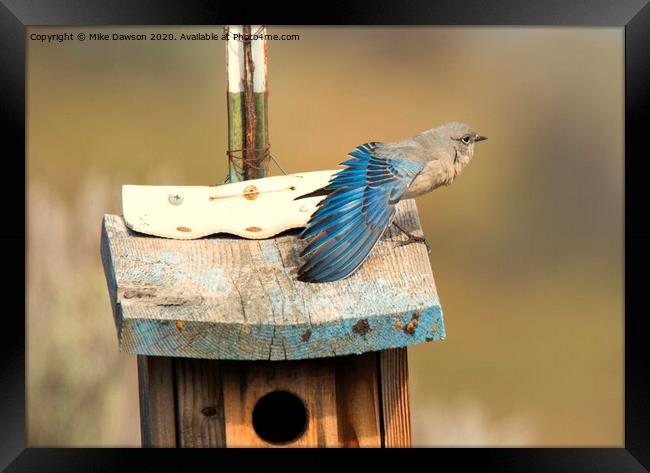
456 141
461 137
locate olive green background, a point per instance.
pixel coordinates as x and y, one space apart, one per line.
527 243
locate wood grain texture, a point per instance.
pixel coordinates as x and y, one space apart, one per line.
357 401
394 387
230 298
312 381
199 398
157 409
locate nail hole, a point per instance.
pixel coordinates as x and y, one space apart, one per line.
209 411
280 417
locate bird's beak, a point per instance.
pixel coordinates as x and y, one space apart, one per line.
480 138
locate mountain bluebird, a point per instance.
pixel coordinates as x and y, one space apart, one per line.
361 199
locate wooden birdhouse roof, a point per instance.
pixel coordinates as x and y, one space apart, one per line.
226 297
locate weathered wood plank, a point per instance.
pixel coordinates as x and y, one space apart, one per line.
199 396
312 381
231 298
357 401
109 274
157 410
395 398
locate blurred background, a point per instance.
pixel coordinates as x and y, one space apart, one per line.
527 243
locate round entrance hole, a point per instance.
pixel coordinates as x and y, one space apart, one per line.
280 417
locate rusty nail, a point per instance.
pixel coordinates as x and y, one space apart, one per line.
251 192
306 335
362 327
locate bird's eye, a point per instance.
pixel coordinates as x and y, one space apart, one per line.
466 139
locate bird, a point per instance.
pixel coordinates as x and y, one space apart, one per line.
360 200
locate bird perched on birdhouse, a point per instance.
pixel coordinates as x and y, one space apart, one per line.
361 199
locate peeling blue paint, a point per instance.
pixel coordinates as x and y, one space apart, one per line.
279 342
218 301
212 280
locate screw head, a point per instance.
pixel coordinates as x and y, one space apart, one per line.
175 198
251 193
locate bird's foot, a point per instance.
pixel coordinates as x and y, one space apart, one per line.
412 238
415 239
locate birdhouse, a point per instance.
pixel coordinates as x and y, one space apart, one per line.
233 350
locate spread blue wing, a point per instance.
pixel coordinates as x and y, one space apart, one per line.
359 206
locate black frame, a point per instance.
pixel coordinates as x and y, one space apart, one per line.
633 15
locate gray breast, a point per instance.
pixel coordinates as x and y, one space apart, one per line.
435 174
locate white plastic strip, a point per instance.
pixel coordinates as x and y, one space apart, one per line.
255 209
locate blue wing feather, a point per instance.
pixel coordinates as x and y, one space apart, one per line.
352 253
359 252
333 251
352 218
